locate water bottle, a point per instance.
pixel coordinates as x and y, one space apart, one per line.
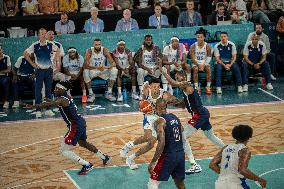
124 94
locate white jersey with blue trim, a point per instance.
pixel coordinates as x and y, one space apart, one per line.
230 163
150 98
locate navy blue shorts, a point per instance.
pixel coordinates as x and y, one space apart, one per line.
77 131
200 120
170 164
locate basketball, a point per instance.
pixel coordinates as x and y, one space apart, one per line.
145 106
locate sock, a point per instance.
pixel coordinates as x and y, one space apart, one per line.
84 92
208 84
165 86
83 162
132 156
196 85
91 91
109 90
211 136
100 154
74 157
134 89
130 145
119 90
188 76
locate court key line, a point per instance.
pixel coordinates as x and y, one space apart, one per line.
128 124
271 94
265 173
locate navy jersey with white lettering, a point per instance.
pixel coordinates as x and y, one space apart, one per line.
173 134
192 102
69 113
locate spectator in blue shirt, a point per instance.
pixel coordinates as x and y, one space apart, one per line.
94 24
189 17
158 20
127 23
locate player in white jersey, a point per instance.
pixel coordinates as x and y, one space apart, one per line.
174 59
151 92
126 67
200 54
147 59
95 65
231 163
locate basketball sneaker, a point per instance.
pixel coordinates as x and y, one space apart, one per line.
119 98
208 91
219 90
16 104
49 113
110 97
85 169
245 88
269 86
240 89
195 168
84 98
91 98
106 160
135 96
6 105
38 114
131 164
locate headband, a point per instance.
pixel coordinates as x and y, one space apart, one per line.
121 42
72 49
58 85
174 38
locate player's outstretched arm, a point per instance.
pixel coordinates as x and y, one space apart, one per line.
161 143
58 102
171 81
244 157
172 100
214 164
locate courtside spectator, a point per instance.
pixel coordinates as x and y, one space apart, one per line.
170 9
255 59
189 17
271 57
258 8
68 6
124 4
43 51
64 25
127 23
226 55
48 6
10 7
106 4
158 20
5 69
94 24
23 75
30 7
221 14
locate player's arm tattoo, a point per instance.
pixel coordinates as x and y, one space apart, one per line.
214 164
244 157
161 139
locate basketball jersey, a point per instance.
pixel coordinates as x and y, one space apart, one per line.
172 54
69 113
192 102
97 59
173 134
230 161
148 59
200 53
122 58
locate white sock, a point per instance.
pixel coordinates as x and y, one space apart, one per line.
208 84
196 85
132 156
83 162
130 145
84 92
165 86
134 89
74 157
100 154
90 91
119 90
188 76
109 90
211 136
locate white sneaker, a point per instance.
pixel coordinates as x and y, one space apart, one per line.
269 86
245 88
6 105
110 97
131 164
135 96
16 104
195 168
38 114
119 98
49 113
240 89
219 90
91 98
272 77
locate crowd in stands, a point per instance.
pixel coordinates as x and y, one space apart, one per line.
45 61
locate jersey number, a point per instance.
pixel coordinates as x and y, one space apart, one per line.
176 134
227 164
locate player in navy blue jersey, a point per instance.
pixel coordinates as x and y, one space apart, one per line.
169 157
200 114
76 127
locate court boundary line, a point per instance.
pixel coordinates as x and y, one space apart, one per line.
73 181
128 124
271 94
137 112
267 172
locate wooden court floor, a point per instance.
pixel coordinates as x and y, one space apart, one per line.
29 156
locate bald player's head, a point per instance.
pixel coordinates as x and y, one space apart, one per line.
161 106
